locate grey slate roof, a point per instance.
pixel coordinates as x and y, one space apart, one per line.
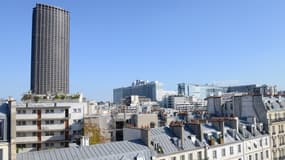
108 151
274 103
165 138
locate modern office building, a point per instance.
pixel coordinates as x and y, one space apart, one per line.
199 91
50 50
254 89
150 90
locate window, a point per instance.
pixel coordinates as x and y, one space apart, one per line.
199 156
34 122
223 152
182 157
21 134
267 154
79 110
214 154
20 111
231 150
173 158
34 133
261 155
249 157
274 142
21 123
266 142
61 121
256 156
34 111
34 145
61 132
190 156
50 133
49 111
75 110
49 121
239 148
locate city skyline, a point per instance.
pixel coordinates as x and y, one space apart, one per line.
112 45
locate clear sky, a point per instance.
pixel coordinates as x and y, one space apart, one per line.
114 42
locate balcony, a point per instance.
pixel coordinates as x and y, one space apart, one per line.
26 116
26 128
277 120
51 127
26 139
53 116
53 138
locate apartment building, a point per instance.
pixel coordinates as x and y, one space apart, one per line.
48 123
224 138
270 110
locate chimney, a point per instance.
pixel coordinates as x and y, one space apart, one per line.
243 128
259 127
211 140
233 123
221 140
146 136
196 128
219 125
178 129
253 129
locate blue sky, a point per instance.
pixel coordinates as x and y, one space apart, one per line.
114 42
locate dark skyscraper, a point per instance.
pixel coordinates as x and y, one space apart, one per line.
50 50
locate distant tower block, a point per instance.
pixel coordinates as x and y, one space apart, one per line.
50 50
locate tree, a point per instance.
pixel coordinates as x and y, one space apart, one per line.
93 132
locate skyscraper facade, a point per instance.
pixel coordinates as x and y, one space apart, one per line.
50 50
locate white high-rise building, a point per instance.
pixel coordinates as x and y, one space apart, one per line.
152 90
